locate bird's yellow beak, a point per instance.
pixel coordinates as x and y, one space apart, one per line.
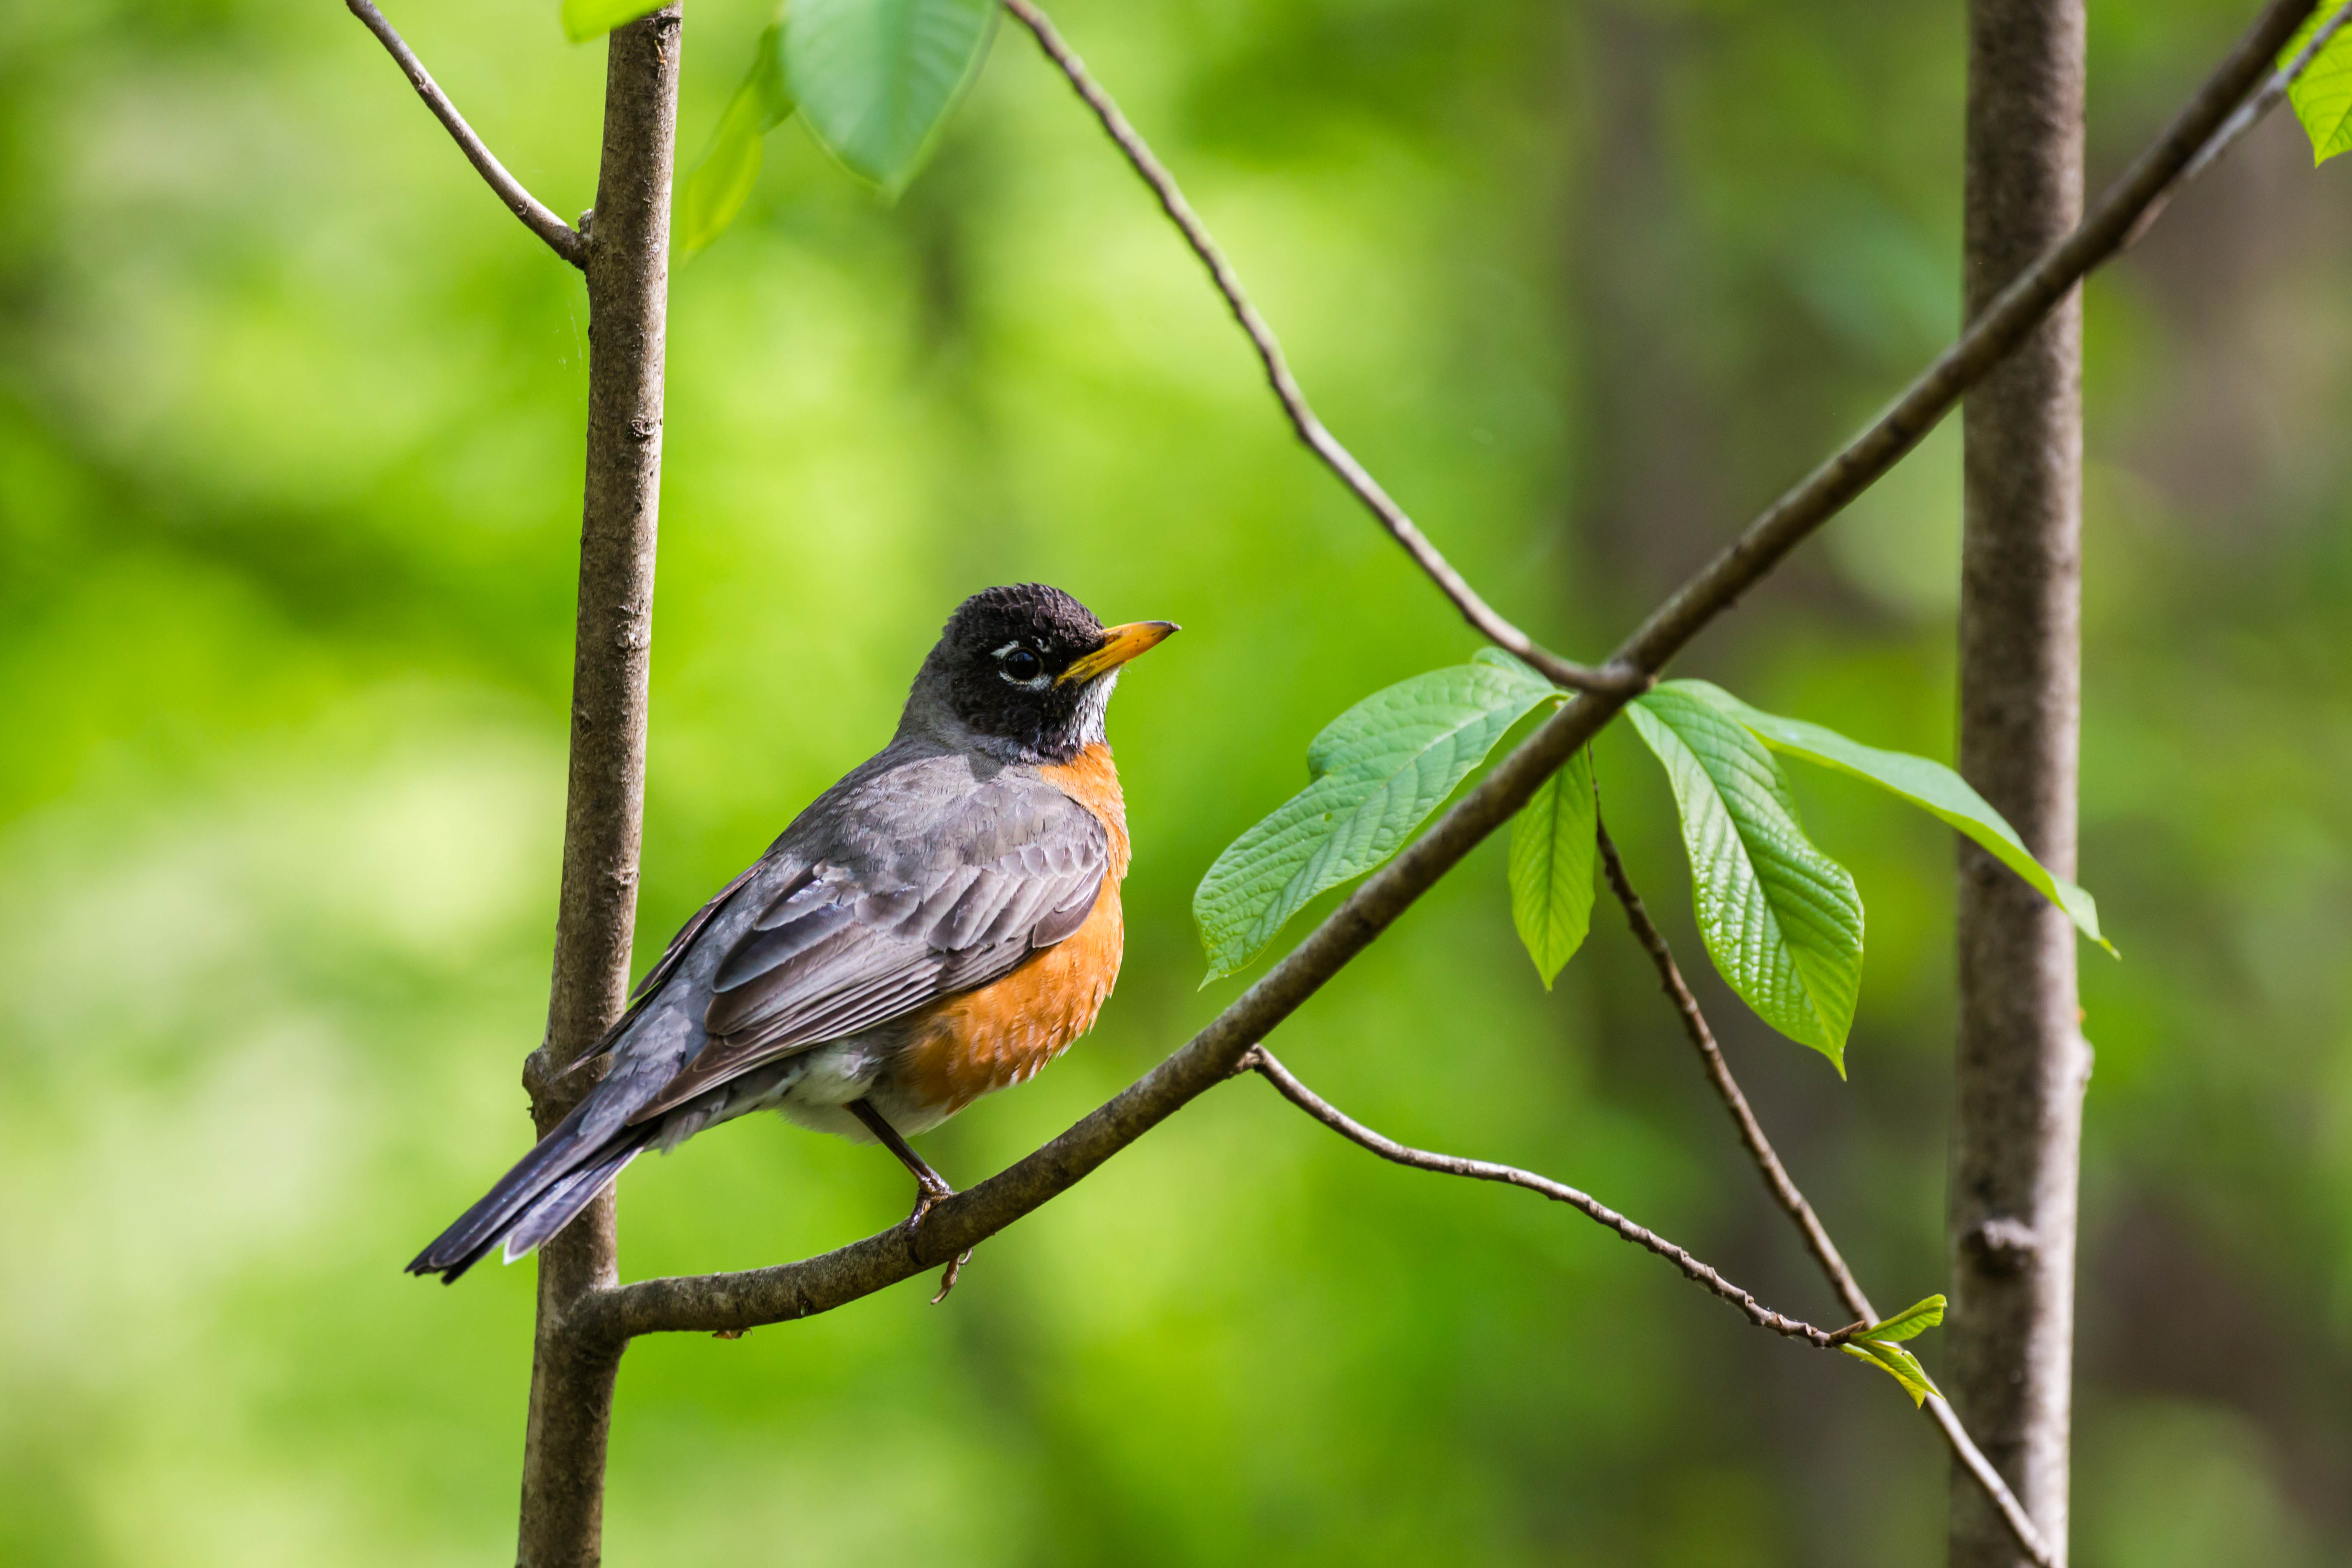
1119 644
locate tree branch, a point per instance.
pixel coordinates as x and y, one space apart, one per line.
752 1297
561 237
1786 1194
1263 1063
1310 430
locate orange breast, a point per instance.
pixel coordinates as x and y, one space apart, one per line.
987 1040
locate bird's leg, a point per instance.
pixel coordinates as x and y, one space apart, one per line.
930 1185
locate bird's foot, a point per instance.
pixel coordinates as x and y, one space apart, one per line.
930 1190
930 1187
926 1194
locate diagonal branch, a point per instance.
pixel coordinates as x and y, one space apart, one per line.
1311 431
752 1297
1785 1192
1262 1062
2004 324
561 237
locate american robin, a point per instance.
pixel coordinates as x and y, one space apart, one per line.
939 925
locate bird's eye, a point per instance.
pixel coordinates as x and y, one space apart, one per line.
1021 665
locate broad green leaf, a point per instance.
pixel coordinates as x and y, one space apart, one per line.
1374 775
2322 95
1931 785
1781 919
1911 1321
586 19
1553 845
721 184
876 80
1898 1364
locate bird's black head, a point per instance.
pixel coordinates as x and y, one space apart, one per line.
1027 671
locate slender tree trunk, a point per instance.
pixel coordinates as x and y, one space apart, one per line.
2021 1063
628 299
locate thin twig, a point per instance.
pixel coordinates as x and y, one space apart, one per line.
1785 1191
2273 94
1751 1132
1262 1062
561 237
1311 430
751 1297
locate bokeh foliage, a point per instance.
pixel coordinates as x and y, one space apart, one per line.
290 459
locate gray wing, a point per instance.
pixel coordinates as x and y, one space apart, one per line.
883 925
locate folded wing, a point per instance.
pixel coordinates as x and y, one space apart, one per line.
858 940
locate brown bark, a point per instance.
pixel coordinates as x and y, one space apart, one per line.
2021 1064
572 1372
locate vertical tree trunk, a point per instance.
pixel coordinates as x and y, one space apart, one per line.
628 300
2021 1063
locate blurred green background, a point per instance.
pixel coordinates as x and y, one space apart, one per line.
290 420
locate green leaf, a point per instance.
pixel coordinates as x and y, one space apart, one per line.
875 78
721 184
1898 1364
1374 775
1553 846
586 19
1911 1321
1931 785
1781 919
2322 95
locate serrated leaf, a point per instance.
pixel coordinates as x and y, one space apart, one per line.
2322 95
1929 786
1910 1322
876 80
710 196
586 19
1781 921
1374 775
1898 1364
1553 846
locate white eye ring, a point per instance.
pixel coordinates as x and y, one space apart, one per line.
1037 682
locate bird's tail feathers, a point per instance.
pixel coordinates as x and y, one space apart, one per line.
561 1203
547 1179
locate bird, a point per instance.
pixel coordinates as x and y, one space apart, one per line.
938 925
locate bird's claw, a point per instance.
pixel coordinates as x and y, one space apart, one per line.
927 1197
947 1279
